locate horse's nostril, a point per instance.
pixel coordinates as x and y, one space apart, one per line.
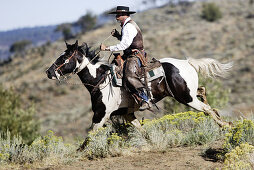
48 74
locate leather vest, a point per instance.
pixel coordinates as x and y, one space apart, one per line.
137 42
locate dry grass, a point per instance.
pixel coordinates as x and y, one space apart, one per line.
168 32
158 135
182 129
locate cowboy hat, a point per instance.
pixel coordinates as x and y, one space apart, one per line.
122 9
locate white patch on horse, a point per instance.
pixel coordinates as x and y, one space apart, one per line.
149 84
111 98
91 68
57 76
62 54
187 72
114 98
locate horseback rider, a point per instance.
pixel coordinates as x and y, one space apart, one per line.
131 42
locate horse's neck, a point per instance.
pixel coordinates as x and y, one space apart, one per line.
91 75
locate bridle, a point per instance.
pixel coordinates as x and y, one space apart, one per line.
66 61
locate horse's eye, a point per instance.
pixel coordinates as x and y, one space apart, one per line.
65 57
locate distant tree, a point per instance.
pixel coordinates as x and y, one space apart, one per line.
211 12
19 46
87 22
66 30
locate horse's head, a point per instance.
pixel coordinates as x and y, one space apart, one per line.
69 61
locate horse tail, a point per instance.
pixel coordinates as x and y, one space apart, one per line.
210 67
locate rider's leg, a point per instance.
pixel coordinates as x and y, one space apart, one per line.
134 84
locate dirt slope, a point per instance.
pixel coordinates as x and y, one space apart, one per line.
168 32
181 158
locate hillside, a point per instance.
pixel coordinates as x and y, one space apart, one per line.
168 32
37 35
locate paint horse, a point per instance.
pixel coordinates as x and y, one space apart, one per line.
108 99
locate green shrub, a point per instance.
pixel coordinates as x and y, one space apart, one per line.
15 119
217 96
188 128
211 12
103 142
47 149
242 132
180 129
242 157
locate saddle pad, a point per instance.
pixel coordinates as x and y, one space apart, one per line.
151 75
155 73
118 81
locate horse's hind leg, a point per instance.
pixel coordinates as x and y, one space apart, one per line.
202 94
198 105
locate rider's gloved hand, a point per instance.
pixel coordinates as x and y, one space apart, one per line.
115 33
104 47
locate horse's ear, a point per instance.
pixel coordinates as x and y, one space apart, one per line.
76 45
67 45
84 48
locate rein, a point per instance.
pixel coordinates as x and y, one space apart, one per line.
95 86
67 61
92 59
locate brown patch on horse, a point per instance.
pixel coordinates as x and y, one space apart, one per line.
202 94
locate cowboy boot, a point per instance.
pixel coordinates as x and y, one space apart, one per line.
145 105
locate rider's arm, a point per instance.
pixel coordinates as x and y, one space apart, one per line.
128 33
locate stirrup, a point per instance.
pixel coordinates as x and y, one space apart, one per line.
144 105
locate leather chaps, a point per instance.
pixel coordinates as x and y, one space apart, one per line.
132 77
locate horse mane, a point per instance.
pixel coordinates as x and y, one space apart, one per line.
92 54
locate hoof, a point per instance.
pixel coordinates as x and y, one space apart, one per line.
84 144
80 149
229 124
145 106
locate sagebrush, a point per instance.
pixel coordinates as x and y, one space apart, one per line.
211 12
15 119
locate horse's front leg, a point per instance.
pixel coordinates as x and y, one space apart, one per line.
100 117
103 106
95 125
131 118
